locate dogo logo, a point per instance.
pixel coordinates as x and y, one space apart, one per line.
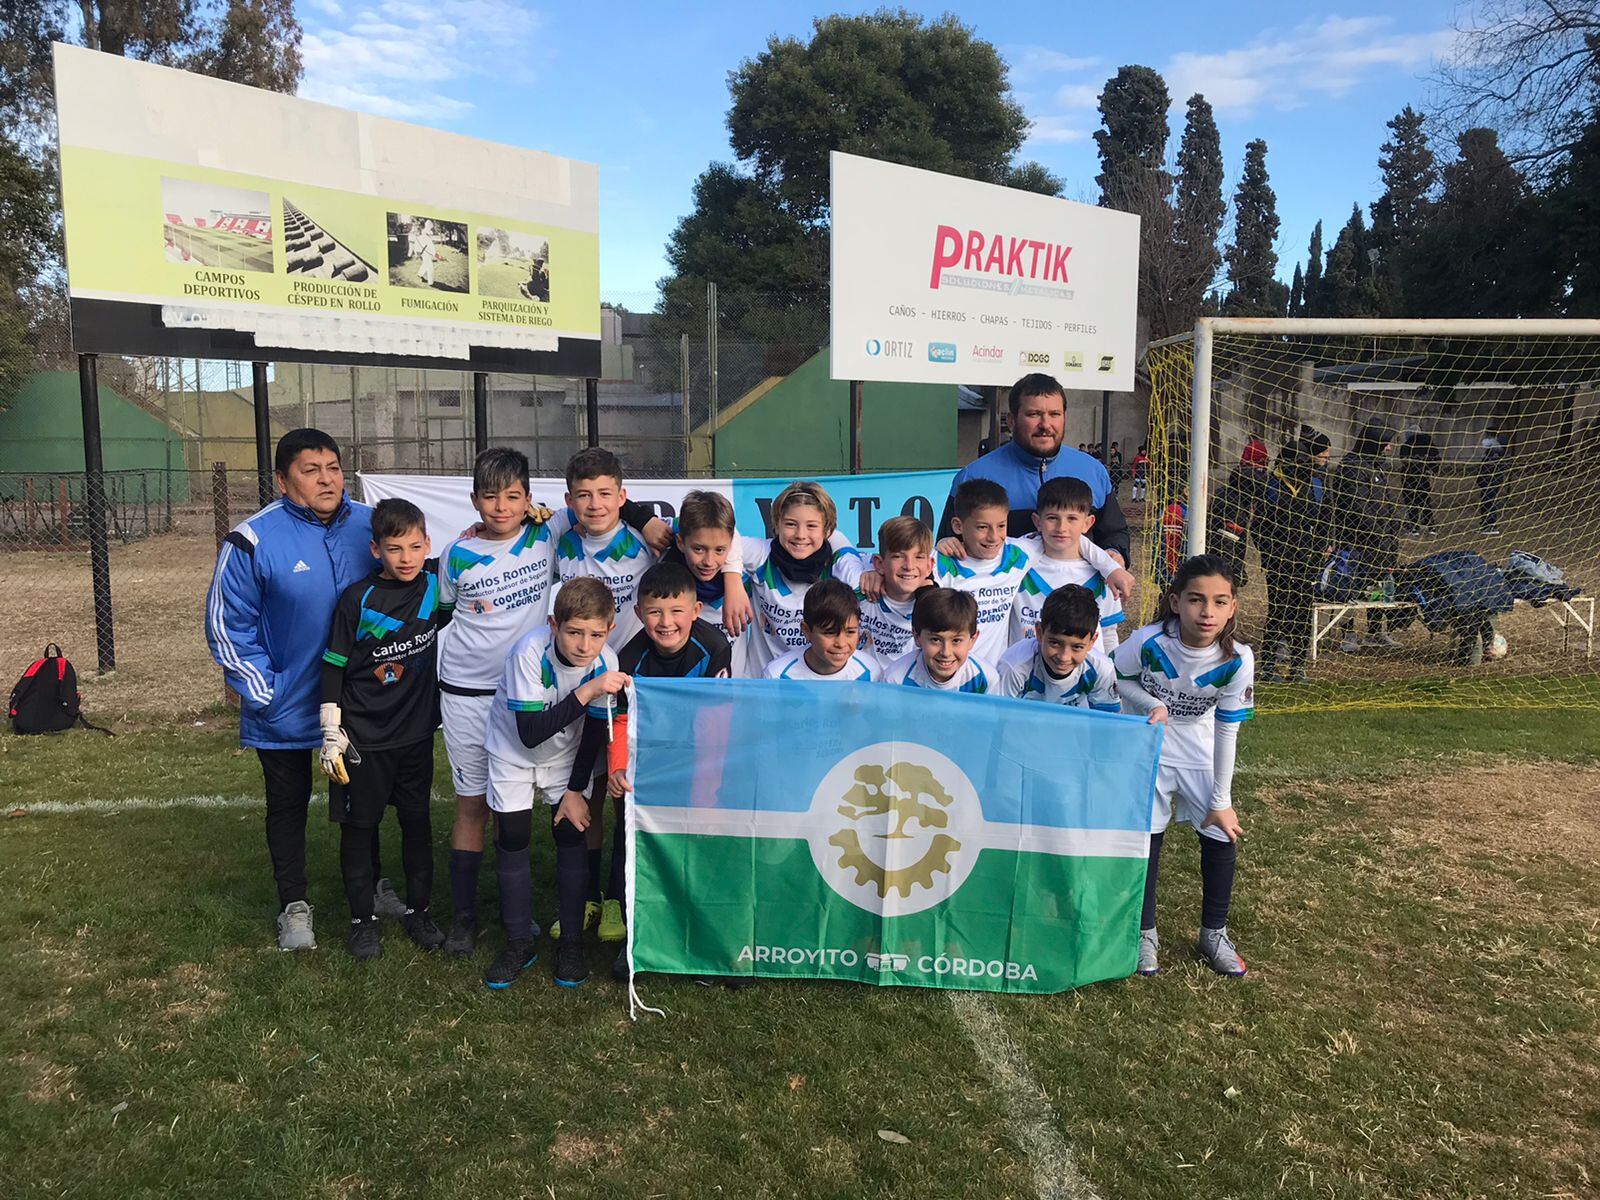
1035 358
874 347
907 812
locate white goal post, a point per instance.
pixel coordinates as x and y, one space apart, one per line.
1206 329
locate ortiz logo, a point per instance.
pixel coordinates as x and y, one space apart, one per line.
895 828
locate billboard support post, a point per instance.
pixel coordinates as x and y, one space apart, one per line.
264 485
855 427
1105 429
480 412
94 501
591 396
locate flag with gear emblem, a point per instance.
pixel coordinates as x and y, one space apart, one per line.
895 836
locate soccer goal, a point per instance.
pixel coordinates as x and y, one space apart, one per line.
1413 505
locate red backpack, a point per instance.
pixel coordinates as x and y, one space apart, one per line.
45 699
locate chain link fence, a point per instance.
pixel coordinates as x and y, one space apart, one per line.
180 461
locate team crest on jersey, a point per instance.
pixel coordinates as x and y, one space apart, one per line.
388 673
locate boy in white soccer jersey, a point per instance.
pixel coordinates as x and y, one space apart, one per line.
497 581
1063 517
1188 672
903 566
831 622
807 547
705 540
991 567
1059 663
944 625
547 741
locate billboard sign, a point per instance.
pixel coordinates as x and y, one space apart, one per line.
261 223
939 279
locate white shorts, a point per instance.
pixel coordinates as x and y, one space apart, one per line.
1183 794
512 787
466 728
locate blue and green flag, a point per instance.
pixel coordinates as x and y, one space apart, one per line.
886 835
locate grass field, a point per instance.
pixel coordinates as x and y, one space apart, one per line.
1419 900
504 278
221 248
449 272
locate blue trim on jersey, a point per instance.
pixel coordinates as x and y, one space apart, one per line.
1234 716
461 560
1154 657
1220 674
430 598
771 578
1115 708
1115 618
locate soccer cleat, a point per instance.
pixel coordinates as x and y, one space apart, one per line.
386 901
1217 948
294 927
571 969
1149 950
423 929
619 969
591 914
363 941
516 958
463 939
612 927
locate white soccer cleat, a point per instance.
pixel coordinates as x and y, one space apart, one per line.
1149 951
1217 948
386 901
294 928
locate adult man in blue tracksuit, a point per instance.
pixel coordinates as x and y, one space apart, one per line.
278 576
1035 454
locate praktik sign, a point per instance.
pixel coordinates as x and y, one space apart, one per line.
1019 258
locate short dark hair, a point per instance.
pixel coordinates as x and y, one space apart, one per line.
941 609
704 510
594 463
980 493
1029 386
1070 611
665 580
829 604
292 443
395 517
1065 491
497 468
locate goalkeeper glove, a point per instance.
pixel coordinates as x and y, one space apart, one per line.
334 744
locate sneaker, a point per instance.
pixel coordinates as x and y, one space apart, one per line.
1383 640
516 958
1217 948
619 969
294 927
386 901
612 927
591 914
571 969
363 941
422 929
1350 644
1149 949
463 939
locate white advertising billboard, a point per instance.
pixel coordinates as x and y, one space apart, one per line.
945 280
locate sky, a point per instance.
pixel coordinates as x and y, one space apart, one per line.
641 90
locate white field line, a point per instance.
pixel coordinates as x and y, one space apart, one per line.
1032 1120
155 804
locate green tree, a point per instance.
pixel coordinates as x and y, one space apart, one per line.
1252 257
1488 251
1406 165
1313 289
1348 285
1574 213
1198 213
256 42
1297 293
1132 143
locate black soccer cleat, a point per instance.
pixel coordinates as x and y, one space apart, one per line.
423 929
463 939
516 958
363 940
571 969
619 969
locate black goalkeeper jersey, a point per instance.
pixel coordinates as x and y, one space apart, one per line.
381 664
706 654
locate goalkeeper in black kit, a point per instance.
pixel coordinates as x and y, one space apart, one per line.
380 707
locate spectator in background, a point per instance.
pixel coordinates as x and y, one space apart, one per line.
1114 467
1419 463
1292 536
1234 509
1491 479
1141 470
1366 522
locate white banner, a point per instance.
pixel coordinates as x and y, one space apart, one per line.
938 279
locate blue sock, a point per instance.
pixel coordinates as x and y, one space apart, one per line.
464 868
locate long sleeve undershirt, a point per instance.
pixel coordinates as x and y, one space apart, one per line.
535 728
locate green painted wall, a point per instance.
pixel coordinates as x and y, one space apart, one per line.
42 434
802 427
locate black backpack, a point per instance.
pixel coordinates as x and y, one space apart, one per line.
45 699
